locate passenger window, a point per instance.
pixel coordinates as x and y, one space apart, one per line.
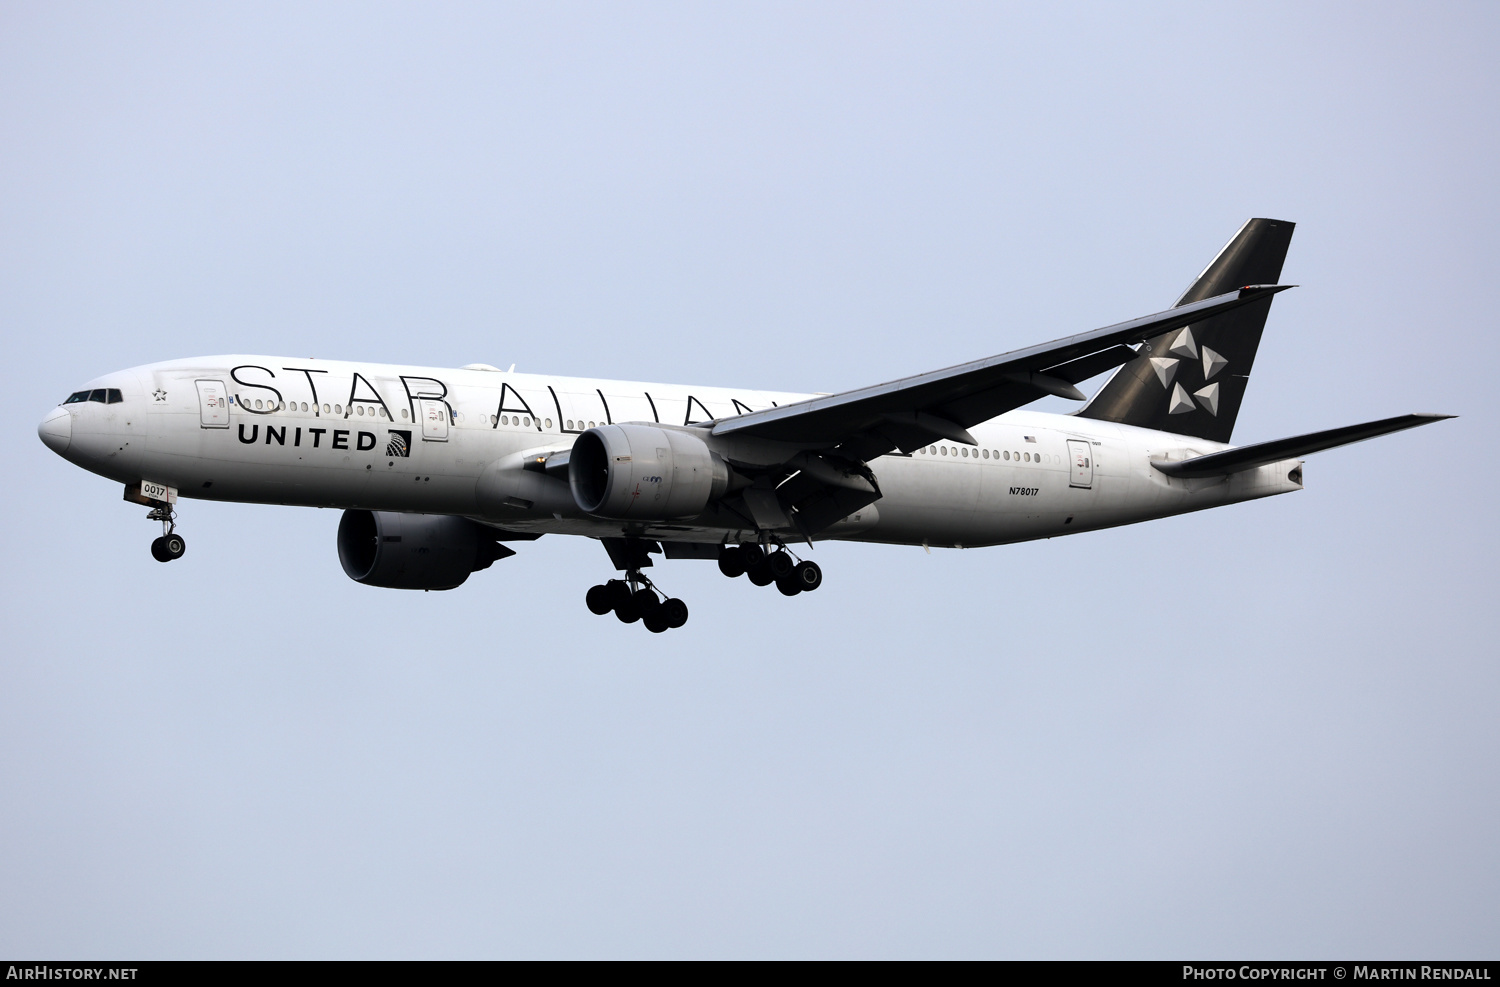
525 420
549 423
933 450
943 450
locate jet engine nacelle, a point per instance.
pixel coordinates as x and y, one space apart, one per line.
644 472
414 551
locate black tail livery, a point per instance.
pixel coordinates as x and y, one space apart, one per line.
1192 381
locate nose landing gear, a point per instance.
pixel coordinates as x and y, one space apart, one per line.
170 546
634 599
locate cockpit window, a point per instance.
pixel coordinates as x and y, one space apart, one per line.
104 395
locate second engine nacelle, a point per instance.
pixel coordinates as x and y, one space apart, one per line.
644 472
414 551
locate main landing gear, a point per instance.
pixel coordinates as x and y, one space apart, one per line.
790 576
170 546
634 599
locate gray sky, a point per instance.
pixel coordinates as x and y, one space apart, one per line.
1264 730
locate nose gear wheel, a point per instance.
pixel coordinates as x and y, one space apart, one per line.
170 546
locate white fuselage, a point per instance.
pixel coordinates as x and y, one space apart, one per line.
323 433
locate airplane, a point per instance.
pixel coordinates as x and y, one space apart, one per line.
439 471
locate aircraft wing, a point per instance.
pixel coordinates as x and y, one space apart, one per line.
1262 453
909 413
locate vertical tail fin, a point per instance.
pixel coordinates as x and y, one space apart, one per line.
1192 381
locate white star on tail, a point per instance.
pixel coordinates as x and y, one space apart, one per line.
1183 345
1212 363
1209 398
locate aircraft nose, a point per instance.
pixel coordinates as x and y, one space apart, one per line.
56 430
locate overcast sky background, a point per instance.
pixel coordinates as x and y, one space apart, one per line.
1264 730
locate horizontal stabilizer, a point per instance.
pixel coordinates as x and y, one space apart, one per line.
1249 457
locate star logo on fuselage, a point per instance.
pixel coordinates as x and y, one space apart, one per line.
159 394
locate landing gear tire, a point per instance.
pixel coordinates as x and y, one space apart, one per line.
788 585
173 546
600 600
655 622
760 574
674 612
731 561
646 603
625 608
808 576
751 555
159 550
780 564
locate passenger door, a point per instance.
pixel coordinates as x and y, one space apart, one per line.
434 415
1080 464
213 404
